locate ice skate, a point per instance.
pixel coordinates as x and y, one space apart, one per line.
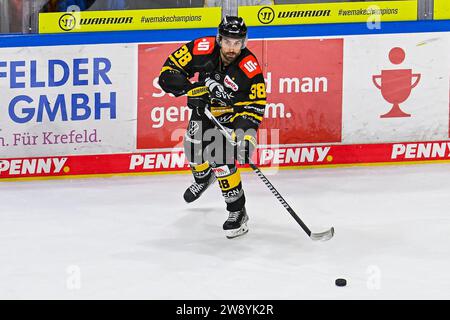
236 224
196 189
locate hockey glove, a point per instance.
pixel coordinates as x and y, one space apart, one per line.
245 148
217 92
172 81
198 98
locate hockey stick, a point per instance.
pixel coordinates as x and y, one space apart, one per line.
322 236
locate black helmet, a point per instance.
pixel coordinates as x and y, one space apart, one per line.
233 27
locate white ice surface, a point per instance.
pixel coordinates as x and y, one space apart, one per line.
135 238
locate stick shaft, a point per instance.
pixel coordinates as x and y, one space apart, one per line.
280 198
261 175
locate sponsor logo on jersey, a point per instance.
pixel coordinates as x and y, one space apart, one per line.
250 66
230 83
204 45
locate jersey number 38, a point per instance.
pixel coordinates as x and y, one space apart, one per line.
183 56
258 90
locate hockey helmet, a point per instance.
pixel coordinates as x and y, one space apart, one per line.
232 27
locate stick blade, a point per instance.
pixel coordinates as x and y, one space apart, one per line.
322 236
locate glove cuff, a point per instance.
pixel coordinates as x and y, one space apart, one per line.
211 84
197 91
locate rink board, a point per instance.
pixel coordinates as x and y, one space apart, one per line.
337 95
275 158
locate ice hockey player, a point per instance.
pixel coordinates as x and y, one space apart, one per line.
231 85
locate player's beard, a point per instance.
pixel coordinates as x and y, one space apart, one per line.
229 57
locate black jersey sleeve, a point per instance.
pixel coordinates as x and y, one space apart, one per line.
181 64
251 106
174 76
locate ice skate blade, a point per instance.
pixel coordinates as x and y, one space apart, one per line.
234 233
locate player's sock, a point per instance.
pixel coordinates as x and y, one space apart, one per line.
230 183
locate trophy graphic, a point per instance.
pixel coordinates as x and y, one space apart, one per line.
396 85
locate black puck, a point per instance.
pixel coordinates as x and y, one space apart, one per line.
341 282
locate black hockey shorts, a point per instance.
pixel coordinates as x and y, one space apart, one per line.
204 142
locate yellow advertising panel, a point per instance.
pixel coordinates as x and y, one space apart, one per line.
441 9
122 20
330 13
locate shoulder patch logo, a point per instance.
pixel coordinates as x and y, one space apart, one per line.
250 66
204 45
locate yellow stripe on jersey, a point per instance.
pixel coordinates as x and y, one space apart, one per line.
176 62
165 68
229 182
254 115
247 103
218 111
222 109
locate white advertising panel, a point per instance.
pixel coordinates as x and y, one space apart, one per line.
396 88
67 100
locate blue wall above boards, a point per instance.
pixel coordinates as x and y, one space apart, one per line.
34 40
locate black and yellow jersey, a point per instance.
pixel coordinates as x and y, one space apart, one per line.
243 78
